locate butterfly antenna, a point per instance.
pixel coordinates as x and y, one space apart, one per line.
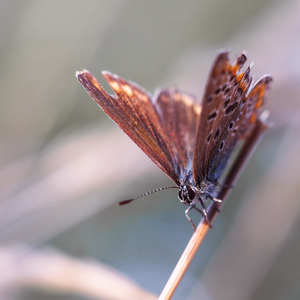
147 193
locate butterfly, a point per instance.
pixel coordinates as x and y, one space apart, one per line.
189 142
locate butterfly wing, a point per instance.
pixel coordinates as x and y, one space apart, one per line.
178 115
239 127
150 124
221 106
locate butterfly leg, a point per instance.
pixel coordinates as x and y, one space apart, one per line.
218 201
188 217
204 211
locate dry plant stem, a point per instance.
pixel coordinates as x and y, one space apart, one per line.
203 228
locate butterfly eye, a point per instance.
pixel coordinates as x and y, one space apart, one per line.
180 195
191 194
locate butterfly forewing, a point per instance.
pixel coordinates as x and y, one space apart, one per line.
152 125
222 144
141 118
223 94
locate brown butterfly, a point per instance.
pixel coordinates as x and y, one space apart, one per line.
188 142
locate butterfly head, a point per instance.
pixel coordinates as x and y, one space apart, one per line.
191 194
187 194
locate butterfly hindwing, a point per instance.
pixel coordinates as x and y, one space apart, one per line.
240 125
179 114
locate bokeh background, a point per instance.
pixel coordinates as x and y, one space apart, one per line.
65 164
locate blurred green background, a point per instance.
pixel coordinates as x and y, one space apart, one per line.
65 165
